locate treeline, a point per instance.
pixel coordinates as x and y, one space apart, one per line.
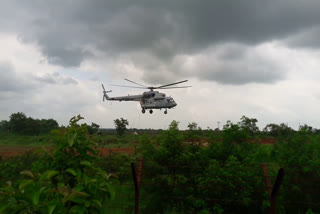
19 123
248 127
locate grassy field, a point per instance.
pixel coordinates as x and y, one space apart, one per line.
7 139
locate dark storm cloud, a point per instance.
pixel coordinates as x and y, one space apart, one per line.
66 30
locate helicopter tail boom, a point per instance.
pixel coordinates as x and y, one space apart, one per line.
105 96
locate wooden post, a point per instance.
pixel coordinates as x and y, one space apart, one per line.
139 178
275 190
267 178
136 189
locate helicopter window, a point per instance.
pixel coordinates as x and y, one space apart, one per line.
170 100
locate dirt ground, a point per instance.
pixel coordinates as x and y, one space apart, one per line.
8 151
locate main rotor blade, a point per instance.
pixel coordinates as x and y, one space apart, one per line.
176 87
171 84
135 83
103 88
130 86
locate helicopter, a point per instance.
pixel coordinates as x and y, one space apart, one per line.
149 100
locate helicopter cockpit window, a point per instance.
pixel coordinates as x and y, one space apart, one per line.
170 100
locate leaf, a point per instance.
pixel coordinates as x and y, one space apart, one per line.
97 203
64 191
27 173
49 174
72 171
112 191
78 209
25 183
87 204
78 188
78 197
51 208
3 207
85 163
71 140
35 196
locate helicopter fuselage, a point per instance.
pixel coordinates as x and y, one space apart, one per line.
148 100
156 100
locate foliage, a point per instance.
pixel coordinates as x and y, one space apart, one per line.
187 175
194 132
221 176
280 131
93 128
19 123
71 182
121 125
249 125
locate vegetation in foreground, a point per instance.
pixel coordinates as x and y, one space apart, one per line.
181 173
67 180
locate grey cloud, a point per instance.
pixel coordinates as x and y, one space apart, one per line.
11 81
305 39
165 29
233 64
239 76
56 78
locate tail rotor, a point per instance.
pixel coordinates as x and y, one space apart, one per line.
105 96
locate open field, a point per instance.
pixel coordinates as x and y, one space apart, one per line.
9 151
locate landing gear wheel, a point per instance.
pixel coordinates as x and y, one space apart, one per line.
143 111
165 112
150 111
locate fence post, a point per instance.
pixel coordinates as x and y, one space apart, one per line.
139 178
136 189
273 191
137 183
267 177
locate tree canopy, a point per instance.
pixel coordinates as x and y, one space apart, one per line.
19 123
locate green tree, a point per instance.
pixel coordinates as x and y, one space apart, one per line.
93 129
307 129
4 125
18 122
249 125
282 130
193 132
121 125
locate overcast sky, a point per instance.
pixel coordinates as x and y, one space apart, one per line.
249 57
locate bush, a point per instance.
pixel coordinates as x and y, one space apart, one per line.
72 183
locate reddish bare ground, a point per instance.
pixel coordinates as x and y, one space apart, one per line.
109 151
269 141
8 151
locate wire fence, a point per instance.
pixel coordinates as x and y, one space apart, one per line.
266 188
157 187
